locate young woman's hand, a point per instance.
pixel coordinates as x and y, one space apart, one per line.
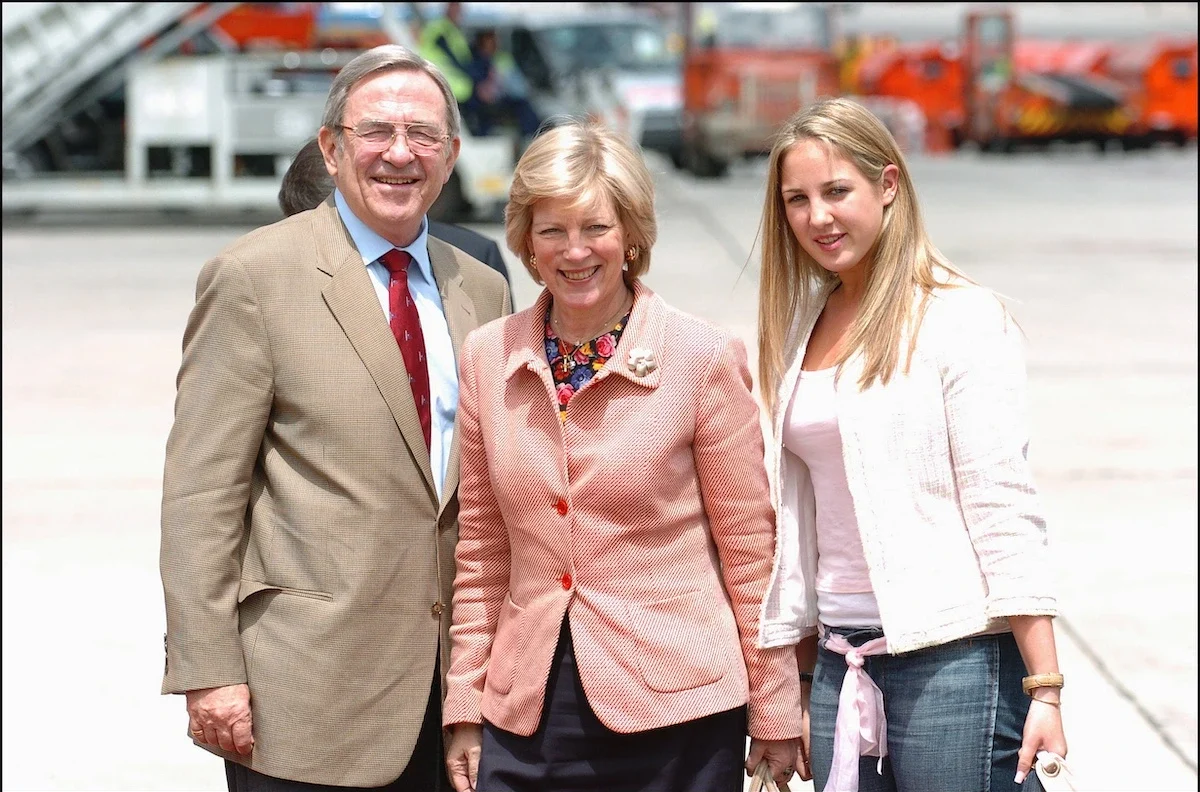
1043 732
803 753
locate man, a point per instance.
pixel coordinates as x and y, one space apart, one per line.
309 496
306 184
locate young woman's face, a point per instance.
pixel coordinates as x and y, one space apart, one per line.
834 211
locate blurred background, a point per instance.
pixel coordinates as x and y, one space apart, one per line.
1053 146
200 106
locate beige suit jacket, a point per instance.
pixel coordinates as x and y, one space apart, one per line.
304 550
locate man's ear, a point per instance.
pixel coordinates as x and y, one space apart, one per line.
452 157
328 143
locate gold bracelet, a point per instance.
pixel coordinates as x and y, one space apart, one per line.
1056 704
1030 683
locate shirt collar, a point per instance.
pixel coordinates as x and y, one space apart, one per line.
371 246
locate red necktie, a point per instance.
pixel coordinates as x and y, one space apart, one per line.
406 326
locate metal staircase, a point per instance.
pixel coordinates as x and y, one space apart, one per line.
59 56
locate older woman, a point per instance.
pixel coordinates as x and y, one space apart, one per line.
616 532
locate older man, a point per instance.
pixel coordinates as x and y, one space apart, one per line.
309 497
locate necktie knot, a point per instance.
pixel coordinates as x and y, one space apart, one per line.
396 261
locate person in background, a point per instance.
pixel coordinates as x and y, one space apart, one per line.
501 92
912 569
443 43
310 489
306 184
610 575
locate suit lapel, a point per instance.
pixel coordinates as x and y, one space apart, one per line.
461 320
351 298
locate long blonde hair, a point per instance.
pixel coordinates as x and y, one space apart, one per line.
901 260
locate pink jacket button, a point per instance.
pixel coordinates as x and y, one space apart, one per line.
561 506
566 581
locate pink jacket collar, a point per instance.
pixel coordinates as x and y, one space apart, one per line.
644 332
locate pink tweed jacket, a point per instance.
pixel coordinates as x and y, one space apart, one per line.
645 518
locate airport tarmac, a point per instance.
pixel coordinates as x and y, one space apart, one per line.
1097 253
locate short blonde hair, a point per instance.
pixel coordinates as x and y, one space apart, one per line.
587 161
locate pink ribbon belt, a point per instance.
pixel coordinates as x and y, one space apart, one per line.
861 728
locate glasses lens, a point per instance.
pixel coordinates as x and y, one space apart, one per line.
380 137
423 138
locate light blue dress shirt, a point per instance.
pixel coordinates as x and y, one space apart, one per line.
439 351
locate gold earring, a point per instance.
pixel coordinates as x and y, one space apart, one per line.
532 260
631 253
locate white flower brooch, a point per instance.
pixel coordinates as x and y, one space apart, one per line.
641 361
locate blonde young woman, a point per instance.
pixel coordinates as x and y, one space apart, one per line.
912 568
616 532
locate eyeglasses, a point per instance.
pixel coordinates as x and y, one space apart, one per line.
380 136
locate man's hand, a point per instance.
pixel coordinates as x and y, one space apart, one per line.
221 716
462 756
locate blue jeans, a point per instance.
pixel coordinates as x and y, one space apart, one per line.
955 714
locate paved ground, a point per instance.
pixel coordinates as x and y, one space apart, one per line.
1099 255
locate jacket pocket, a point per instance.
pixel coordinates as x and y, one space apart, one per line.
248 588
680 643
507 647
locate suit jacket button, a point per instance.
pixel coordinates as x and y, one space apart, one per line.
436 610
561 506
566 581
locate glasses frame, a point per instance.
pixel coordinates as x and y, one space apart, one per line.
398 130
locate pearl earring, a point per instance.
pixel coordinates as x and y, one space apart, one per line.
532 260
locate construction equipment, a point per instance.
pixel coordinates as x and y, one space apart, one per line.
747 67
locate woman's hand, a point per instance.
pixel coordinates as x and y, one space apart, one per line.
462 756
803 754
1043 731
780 756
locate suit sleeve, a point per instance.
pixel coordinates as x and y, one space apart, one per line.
983 380
483 561
224 396
728 449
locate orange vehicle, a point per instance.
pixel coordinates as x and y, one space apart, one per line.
274 26
1161 90
931 75
1007 108
747 67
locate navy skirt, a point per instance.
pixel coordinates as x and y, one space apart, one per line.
572 751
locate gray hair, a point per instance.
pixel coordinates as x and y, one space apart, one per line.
384 58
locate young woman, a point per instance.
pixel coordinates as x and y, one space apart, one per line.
911 563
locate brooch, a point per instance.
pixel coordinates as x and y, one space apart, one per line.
641 361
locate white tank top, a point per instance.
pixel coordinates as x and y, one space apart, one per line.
810 431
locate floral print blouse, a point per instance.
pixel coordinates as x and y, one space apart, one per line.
574 366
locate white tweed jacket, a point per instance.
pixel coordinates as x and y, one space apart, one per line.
937 466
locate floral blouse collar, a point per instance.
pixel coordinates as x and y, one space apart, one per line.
573 367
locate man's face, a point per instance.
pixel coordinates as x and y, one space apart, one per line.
391 190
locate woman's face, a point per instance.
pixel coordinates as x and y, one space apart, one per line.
834 211
579 252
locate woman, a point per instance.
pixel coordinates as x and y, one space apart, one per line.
911 550
616 532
